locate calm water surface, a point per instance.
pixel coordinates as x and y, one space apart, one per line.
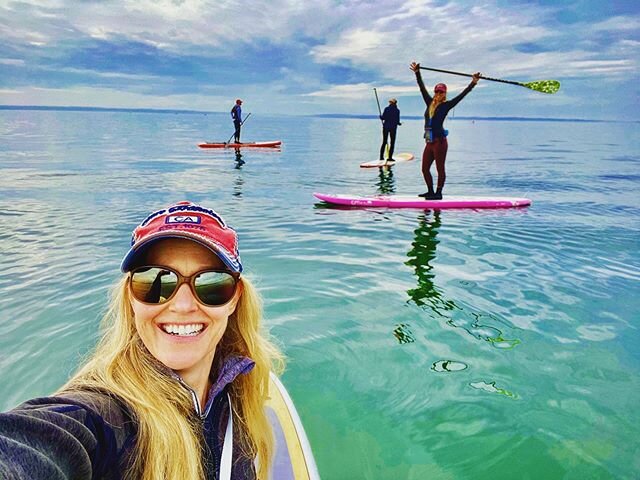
457 344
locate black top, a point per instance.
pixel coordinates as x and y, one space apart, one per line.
437 121
390 117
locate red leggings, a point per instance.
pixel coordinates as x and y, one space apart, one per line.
436 150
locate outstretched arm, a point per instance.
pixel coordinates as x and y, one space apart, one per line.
455 100
57 439
423 90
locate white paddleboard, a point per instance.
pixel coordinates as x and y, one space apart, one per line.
397 158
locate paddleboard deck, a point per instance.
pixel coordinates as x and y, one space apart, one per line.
270 144
408 201
293 459
398 158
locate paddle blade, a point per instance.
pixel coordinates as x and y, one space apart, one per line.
544 86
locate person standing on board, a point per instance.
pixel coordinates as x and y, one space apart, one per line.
176 387
236 115
434 133
390 121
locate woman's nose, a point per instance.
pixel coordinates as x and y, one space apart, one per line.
184 300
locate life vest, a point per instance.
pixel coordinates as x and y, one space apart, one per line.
428 132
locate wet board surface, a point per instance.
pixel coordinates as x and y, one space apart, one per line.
414 201
270 144
293 459
397 158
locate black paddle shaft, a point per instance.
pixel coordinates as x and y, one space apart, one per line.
469 75
377 101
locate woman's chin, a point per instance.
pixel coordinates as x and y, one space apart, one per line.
179 363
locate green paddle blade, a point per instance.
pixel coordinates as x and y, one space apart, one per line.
544 86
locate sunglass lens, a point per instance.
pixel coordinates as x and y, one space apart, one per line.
153 285
215 288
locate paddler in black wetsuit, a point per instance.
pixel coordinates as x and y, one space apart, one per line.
390 121
435 135
236 115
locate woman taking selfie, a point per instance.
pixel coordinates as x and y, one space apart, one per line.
177 384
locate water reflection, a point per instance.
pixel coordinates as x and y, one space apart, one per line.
239 160
403 333
428 296
421 256
386 182
237 186
491 388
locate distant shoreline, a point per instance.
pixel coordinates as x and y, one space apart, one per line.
491 119
319 115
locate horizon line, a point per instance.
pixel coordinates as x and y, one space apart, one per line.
320 115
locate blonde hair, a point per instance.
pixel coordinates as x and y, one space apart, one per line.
168 427
434 104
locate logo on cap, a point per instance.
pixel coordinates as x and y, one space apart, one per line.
183 219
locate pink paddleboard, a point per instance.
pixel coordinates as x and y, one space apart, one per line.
409 201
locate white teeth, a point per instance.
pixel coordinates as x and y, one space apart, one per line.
183 330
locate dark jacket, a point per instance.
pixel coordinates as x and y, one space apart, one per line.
390 117
437 121
91 435
236 114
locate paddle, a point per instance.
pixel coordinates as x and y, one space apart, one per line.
543 86
241 123
377 101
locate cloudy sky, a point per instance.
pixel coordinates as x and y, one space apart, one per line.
321 56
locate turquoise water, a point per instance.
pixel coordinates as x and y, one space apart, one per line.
422 344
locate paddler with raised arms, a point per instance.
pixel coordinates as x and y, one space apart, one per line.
435 135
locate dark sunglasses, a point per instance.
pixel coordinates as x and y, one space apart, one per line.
156 285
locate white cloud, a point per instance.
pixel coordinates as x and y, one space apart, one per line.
169 24
603 66
357 45
480 38
107 97
358 91
384 36
107 75
12 61
617 24
446 36
376 39
353 91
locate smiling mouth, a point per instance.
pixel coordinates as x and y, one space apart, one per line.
182 330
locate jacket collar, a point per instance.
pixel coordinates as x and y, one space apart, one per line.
231 367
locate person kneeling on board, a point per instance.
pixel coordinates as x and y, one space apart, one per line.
390 121
176 387
435 135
